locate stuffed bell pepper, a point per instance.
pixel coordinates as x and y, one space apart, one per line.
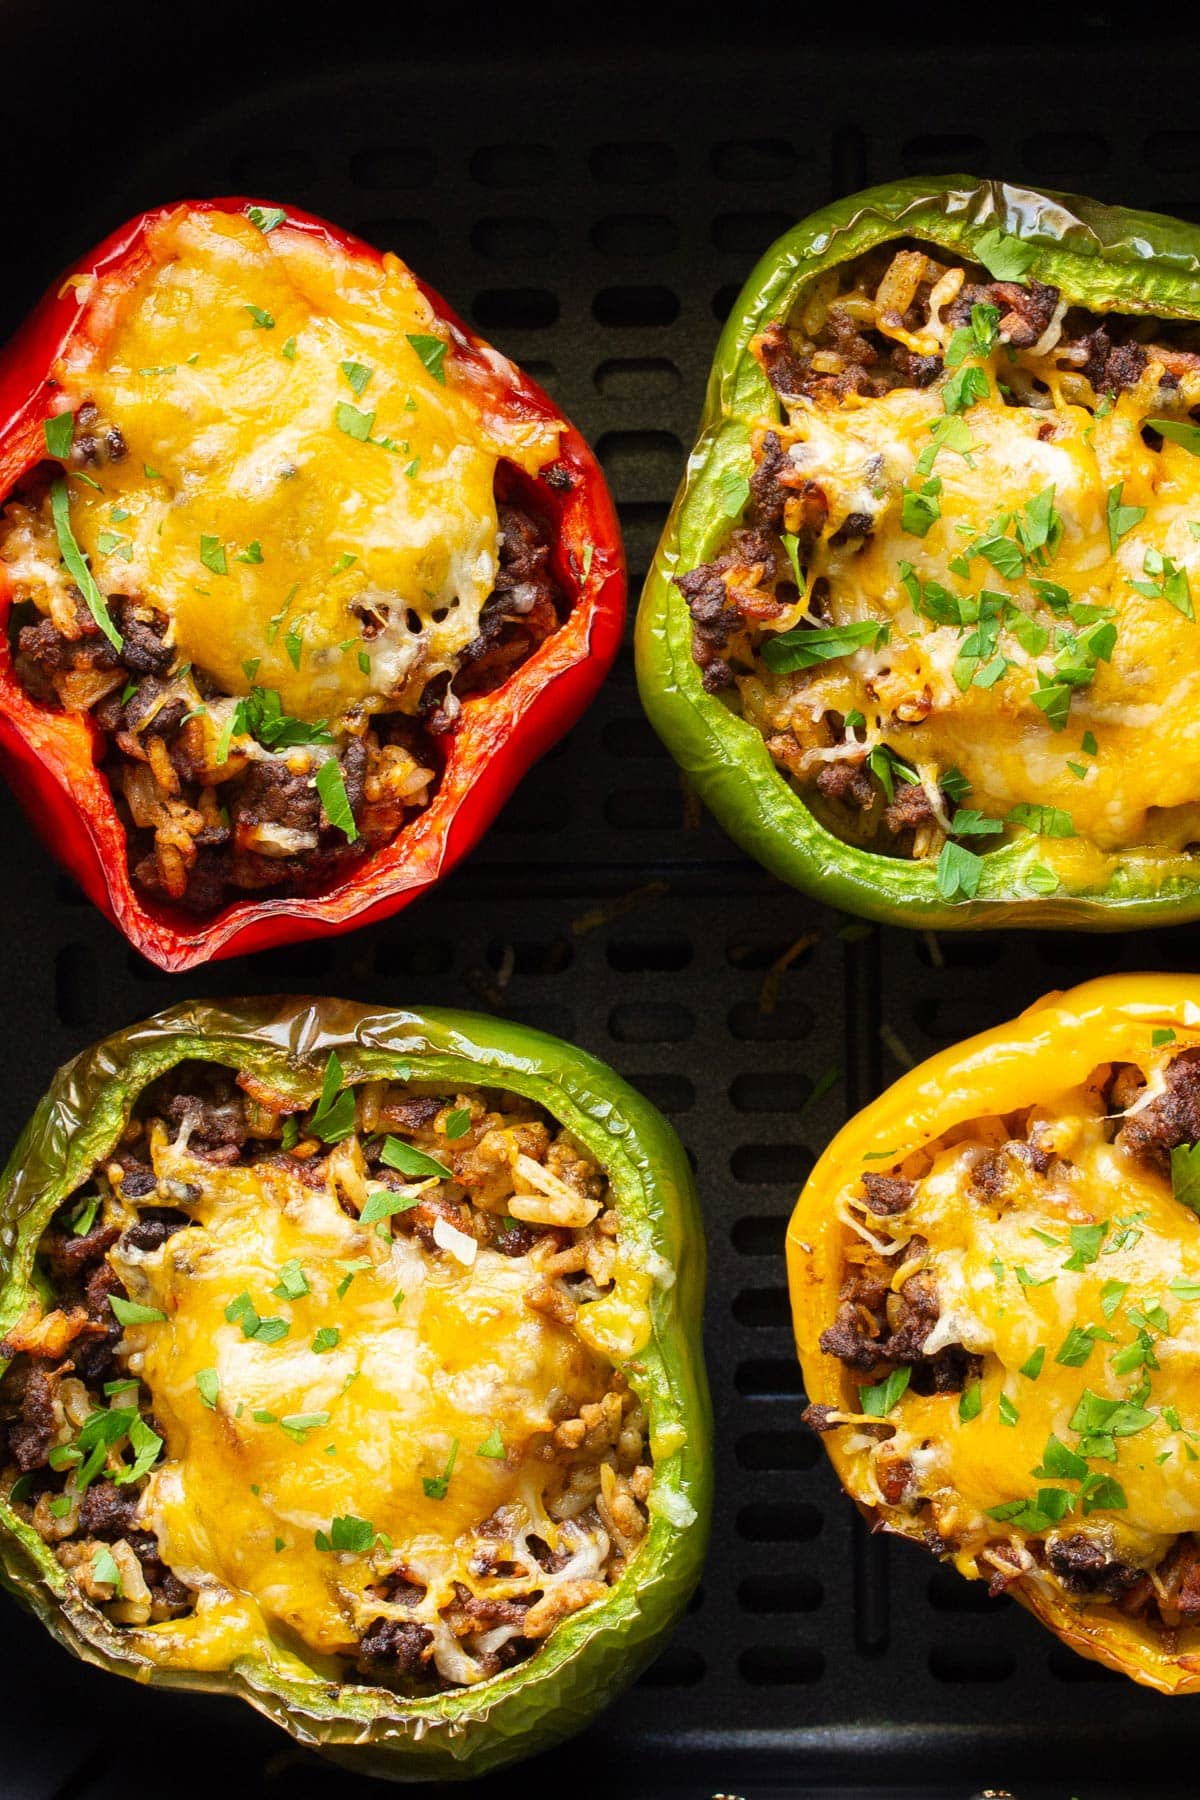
298 577
995 1280
922 626
351 1364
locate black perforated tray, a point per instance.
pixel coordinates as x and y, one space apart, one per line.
592 201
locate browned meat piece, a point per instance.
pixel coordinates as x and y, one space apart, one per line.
108 1511
95 443
44 645
909 810
1171 1119
468 1612
392 1647
847 340
215 1124
854 527
1084 1566
410 1113
1125 1084
816 1417
1109 366
93 1356
29 1440
850 782
857 1333
913 370
138 1181
887 1194
170 1595
875 1326
522 611
715 614
785 369
1025 311
775 481
69 1255
270 795
142 629
993 1172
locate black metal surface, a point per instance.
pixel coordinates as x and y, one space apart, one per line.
594 208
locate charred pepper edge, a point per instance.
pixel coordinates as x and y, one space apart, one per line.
1063 1035
1102 257
587 1659
50 760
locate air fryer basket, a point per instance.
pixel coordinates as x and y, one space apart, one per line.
593 206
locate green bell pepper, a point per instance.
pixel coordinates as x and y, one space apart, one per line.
591 1654
1103 258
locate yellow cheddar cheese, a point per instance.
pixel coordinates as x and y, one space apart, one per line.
301 460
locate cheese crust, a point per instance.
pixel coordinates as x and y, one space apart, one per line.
959 601
386 1423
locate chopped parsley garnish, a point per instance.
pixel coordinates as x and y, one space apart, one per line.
212 555
209 1384
327 1337
963 389
358 375
298 1425
977 339
293 643
331 786
1047 1509
260 715
1102 1491
1078 1345
1177 431
289 350
132 1312
970 1402
1121 519
432 352
1005 258
264 1331
806 646
1045 821
85 1216
789 540
1059 1463
1161 1035
111 543
347 1534
1085 1243
59 433
492 1446
293 1282
262 320
352 1269
1167 582
1088 744
333 1119
407 1160
1031 1368
251 554
104 1568
1008 1412
384 1204
920 510
76 566
437 1486
959 872
357 425
458 1123
1111 1296
266 217
878 1401
1185 1175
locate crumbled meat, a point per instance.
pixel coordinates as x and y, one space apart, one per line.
1084 1566
1025 311
30 1438
887 1194
393 1647
854 527
1109 366
909 810
874 1326
847 781
214 1127
108 1511
817 1417
151 1229
1171 1118
778 487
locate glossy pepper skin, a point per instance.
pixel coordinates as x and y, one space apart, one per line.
591 1655
1055 1043
1104 258
50 758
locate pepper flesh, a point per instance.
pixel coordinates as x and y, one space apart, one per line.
1103 258
286 1045
1056 1043
51 758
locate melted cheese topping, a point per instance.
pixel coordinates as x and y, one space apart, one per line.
1004 1293
1143 785
225 370
431 1352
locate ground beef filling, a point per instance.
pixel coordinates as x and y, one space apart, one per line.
77 1429
879 1328
826 355
204 829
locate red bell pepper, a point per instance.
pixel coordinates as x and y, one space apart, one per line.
51 757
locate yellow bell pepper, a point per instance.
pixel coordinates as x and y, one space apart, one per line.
1052 1279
